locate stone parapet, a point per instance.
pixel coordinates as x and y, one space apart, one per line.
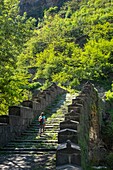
5 134
70 124
4 119
20 117
68 134
84 110
68 153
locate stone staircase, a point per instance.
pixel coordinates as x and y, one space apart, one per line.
30 151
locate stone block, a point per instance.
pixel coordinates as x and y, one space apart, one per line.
14 110
68 134
36 105
27 103
42 103
15 122
69 124
23 112
78 100
75 117
73 113
26 112
60 90
53 93
4 119
82 96
20 118
68 167
74 108
5 134
68 153
48 96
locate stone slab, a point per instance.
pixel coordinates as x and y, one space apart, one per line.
68 167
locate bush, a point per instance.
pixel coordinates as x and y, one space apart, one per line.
109 161
107 134
109 96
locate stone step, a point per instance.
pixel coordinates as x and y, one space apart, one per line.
31 145
49 120
47 124
54 122
46 128
28 152
34 145
35 141
31 137
31 132
54 119
27 149
46 131
51 126
36 136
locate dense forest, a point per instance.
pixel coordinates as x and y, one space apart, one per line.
68 46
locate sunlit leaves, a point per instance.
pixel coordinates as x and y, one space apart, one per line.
15 31
73 45
96 58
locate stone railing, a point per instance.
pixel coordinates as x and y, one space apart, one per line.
81 125
20 117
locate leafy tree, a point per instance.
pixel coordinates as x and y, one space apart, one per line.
73 45
15 31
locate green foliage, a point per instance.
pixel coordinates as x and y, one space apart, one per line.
107 134
74 44
109 96
109 160
15 31
51 11
32 86
96 58
68 46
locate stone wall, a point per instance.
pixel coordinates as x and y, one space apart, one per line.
81 126
20 117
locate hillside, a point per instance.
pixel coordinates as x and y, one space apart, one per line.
73 44
36 8
70 45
